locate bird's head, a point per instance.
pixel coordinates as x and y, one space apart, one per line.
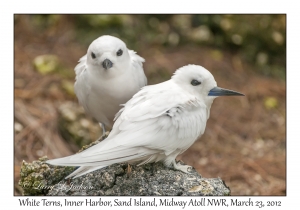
108 55
200 82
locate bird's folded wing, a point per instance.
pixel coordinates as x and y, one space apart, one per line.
138 71
81 87
146 119
80 66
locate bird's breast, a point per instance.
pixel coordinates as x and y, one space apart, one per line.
106 95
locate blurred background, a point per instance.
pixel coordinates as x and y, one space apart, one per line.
245 138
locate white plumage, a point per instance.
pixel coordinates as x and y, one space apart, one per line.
157 124
107 76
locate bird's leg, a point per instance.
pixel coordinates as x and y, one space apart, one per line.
184 168
102 125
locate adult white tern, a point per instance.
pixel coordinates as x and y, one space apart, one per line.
107 76
157 124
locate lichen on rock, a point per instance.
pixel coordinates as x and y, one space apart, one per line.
38 177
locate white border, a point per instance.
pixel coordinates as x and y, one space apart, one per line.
132 7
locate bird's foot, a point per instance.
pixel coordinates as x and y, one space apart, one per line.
184 168
104 136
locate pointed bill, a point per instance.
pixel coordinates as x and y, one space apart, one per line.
217 91
107 64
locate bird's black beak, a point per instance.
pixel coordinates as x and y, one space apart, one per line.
107 64
217 91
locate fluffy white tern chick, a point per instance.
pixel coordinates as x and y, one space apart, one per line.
106 77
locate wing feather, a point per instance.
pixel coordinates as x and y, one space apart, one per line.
162 122
81 87
137 63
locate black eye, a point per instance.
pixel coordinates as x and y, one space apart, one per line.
93 55
195 82
120 52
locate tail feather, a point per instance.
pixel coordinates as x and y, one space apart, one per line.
104 154
101 160
83 170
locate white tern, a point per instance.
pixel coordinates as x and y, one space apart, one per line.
106 77
158 123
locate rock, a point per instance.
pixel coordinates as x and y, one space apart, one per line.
39 178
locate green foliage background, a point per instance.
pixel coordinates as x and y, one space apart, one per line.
258 39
